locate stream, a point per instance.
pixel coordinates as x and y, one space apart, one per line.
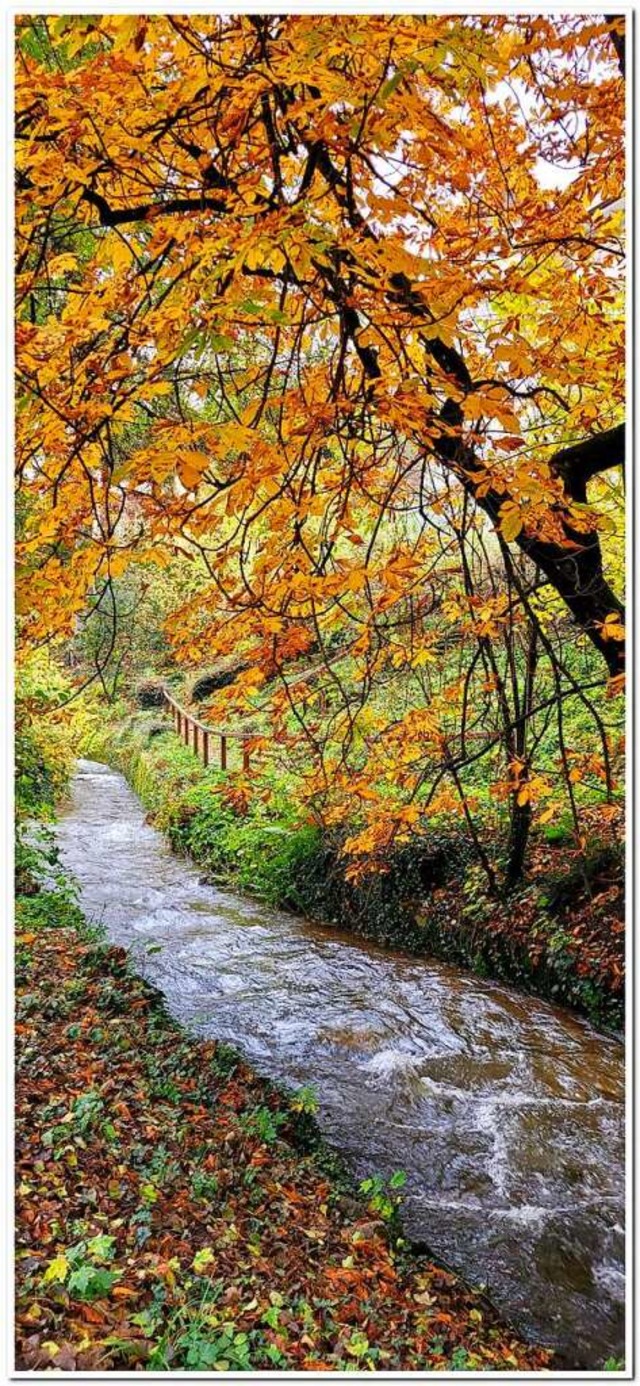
506 1113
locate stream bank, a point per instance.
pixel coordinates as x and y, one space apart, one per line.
176 1212
505 1113
561 937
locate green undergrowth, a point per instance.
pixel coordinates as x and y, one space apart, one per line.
49 723
262 845
560 936
176 1212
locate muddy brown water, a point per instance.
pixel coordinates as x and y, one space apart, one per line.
505 1112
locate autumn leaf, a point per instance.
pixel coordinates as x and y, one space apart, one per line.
511 520
57 1269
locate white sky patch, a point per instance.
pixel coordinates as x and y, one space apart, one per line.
550 175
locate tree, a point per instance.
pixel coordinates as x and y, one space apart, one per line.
289 286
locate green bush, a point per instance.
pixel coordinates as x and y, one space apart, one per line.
43 762
271 859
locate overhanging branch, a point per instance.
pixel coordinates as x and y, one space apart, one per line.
577 464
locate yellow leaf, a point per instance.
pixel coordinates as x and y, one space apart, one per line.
126 28
57 1269
120 254
60 263
191 465
510 522
254 257
612 628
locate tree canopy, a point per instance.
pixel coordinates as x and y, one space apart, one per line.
330 308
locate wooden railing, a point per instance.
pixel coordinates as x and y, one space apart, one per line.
203 740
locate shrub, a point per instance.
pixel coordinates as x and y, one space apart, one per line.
43 747
274 860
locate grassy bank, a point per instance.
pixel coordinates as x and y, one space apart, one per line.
561 936
176 1212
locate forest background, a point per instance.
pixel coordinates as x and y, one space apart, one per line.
358 493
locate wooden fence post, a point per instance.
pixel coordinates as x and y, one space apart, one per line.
200 742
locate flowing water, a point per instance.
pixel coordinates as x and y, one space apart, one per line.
505 1112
